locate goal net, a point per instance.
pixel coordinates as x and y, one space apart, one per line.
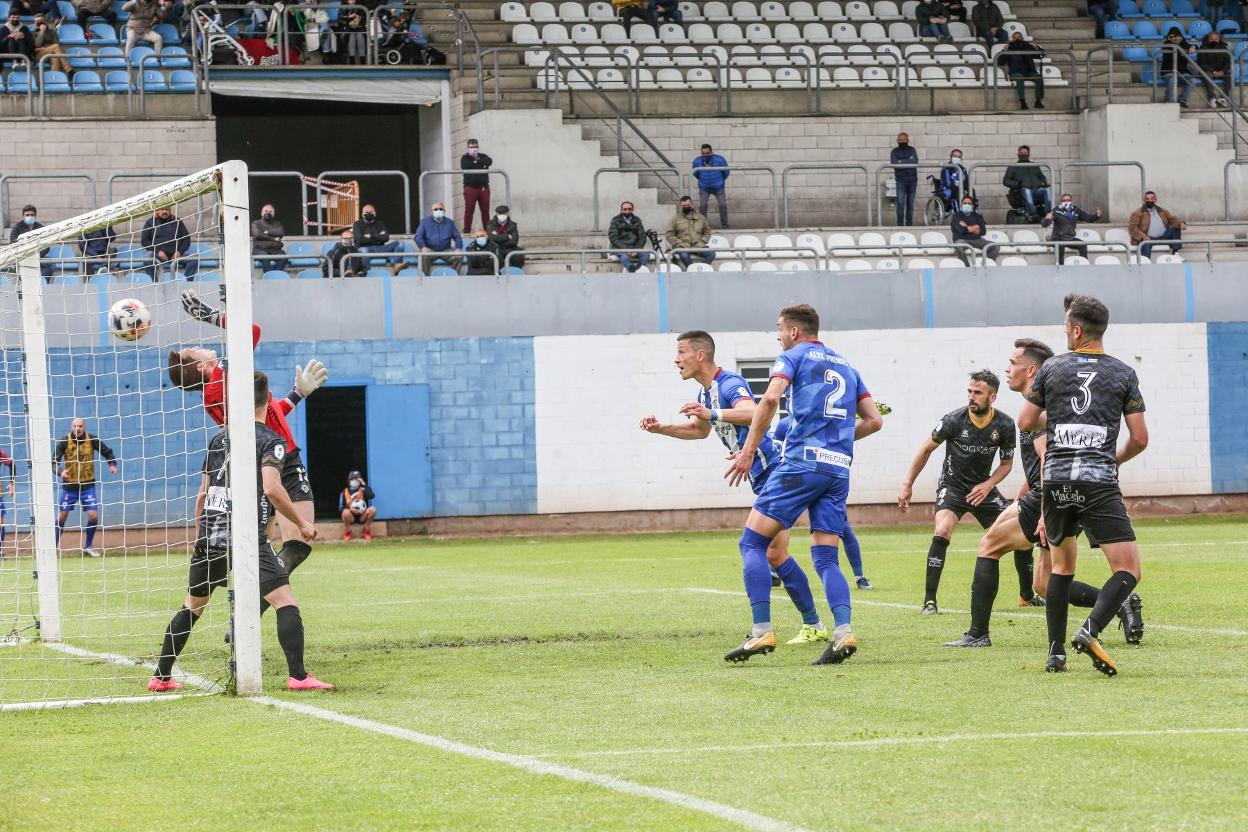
103 455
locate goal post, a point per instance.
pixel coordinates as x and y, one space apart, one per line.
79 628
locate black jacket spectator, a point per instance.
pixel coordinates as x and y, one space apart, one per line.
479 162
96 243
334 260
22 227
904 156
1025 175
373 233
627 232
1019 57
960 222
987 15
478 257
15 38
506 236
266 236
1214 57
167 235
1066 224
1175 60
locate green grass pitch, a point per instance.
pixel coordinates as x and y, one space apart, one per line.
604 654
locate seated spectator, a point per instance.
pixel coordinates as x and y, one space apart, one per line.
930 16
477 254
372 235
28 223
954 10
627 237
266 238
1029 180
989 24
1065 219
1176 58
1215 60
15 39
968 226
1019 60
437 233
688 229
955 180
46 42
505 234
353 502
1102 11
631 10
334 262
96 248
144 14
667 11
35 8
166 237
1152 222
95 8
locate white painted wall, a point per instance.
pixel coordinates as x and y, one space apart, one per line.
591 392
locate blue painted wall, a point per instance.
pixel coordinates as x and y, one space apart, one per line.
1228 401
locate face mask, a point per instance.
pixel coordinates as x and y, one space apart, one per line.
354 484
502 219
1148 206
348 243
957 160
1066 206
481 241
28 220
687 210
1024 159
371 217
472 151
966 209
438 213
903 144
267 215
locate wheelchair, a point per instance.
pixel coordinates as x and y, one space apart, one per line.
942 203
1018 215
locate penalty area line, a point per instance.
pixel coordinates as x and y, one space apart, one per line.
532 765
61 704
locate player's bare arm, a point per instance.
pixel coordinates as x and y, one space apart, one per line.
741 413
977 494
916 467
764 412
870 420
1030 418
1137 438
272 480
692 429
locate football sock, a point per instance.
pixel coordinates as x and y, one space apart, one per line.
983 592
1083 595
1110 599
290 636
849 542
176 634
60 527
757 576
935 563
1024 562
4 532
835 587
92 525
1056 607
798 587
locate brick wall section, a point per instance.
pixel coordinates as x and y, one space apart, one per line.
1228 396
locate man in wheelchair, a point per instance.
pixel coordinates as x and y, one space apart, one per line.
948 188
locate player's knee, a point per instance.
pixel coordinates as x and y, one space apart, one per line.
347 517
989 547
776 554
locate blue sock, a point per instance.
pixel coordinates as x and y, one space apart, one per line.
849 541
798 587
92 525
757 574
828 568
60 527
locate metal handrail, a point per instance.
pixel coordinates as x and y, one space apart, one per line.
1058 245
768 169
303 189
30 78
5 179
1041 59
784 190
977 165
116 177
879 192
139 82
407 192
1061 172
1087 72
1226 186
285 34
635 169
1237 242
1236 114
827 60
420 181
582 253
405 256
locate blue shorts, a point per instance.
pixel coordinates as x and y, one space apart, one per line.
790 490
69 496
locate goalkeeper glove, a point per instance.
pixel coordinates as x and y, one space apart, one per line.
308 379
199 310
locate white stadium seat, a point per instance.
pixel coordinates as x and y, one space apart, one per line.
782 242
963 76
731 266
1091 235
1075 260
874 76
512 13
812 241
871 243
1013 261
903 238
700 267
790 78
742 10
555 33
801 10
585 33
872 32
613 33
816 33
759 33
773 55
795 266
901 32
773 11
830 11
921 263
995 235
670 33
960 31
934 76
692 11
686 56
1053 76
525 34
918 54
1167 259
1023 238
841 244
748 241
935 242
700 79
543 13
846 77
951 263
859 266
845 33
759 78
857 10
601 12
716 11
643 33
743 55
571 12
1013 26
886 10
859 54
669 79
1107 260
718 242
655 56
763 266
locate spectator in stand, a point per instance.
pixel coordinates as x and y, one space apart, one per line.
437 234
46 42
955 180
1031 183
15 39
477 254
1019 60
315 28
351 39
353 502
968 226
95 8
505 234
627 236
989 24
266 238
711 182
166 237
932 21
1176 57
476 185
1215 60
631 10
334 263
1065 219
667 10
954 10
1102 11
688 229
144 14
907 179
96 248
372 235
1220 10
28 223
35 8
1152 222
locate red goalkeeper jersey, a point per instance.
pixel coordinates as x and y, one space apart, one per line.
214 401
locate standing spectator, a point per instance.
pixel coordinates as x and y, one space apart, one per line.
688 229
668 10
95 8
35 8
46 42
627 236
1215 60
989 24
372 235
166 237
954 10
334 263
631 10
1175 59
505 234
476 185
77 451
907 179
266 238
354 503
437 233
351 36
1065 219
96 248
1102 11
144 14
477 253
1029 180
1220 10
28 223
1019 60
315 31
711 182
933 23
968 226
1152 222
15 38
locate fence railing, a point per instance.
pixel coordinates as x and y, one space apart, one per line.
407 192
21 60
654 169
420 183
879 192
784 190
5 179
1061 172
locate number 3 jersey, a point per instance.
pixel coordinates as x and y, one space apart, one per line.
214 526
726 390
1085 396
823 400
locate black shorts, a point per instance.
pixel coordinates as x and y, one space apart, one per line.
1029 506
295 478
209 571
954 499
1094 507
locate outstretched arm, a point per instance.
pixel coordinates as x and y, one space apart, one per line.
916 468
692 429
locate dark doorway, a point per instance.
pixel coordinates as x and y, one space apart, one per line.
337 442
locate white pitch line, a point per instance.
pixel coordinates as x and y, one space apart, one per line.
1178 628
58 704
532 765
878 742
206 685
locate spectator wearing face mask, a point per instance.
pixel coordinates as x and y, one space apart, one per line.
476 185
968 226
505 234
437 233
335 263
1176 58
688 229
1065 219
372 235
96 248
627 236
1019 60
166 237
28 223
1152 222
906 179
15 39
266 238
711 182
1031 183
46 42
477 253
354 504
989 24
955 181
1215 60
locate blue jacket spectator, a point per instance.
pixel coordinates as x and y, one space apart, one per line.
437 232
95 246
166 237
710 180
907 179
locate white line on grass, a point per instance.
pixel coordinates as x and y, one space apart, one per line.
206 685
532 765
58 704
1221 631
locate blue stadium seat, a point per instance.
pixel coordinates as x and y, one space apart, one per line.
175 57
68 12
410 272
1172 26
119 9
80 57
275 276
130 257
1147 77
1138 54
514 270
63 252
310 274
182 80
207 277
19 82
1 85
444 271
1117 30
137 277
1128 10
4 8
1197 29
117 81
67 280
325 247
138 53
1183 8
1145 30
1228 28
71 34
152 80
306 258
111 57
101 279
1155 8
103 34
53 81
209 255
168 32
377 271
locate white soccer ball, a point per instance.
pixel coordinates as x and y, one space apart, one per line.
129 319
358 506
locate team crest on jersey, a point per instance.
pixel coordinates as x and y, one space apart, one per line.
279 451
744 393
965 434
778 367
996 434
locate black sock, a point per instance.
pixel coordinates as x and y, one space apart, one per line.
1056 607
935 563
983 593
176 634
1109 600
1025 562
1083 595
290 636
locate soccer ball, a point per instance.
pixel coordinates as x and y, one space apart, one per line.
358 506
129 319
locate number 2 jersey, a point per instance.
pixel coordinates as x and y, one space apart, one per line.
214 526
1085 396
970 450
824 393
726 390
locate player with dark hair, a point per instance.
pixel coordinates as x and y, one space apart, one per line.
210 563
6 461
77 451
1085 395
975 434
824 394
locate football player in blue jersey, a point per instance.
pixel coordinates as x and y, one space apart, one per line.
825 393
725 406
